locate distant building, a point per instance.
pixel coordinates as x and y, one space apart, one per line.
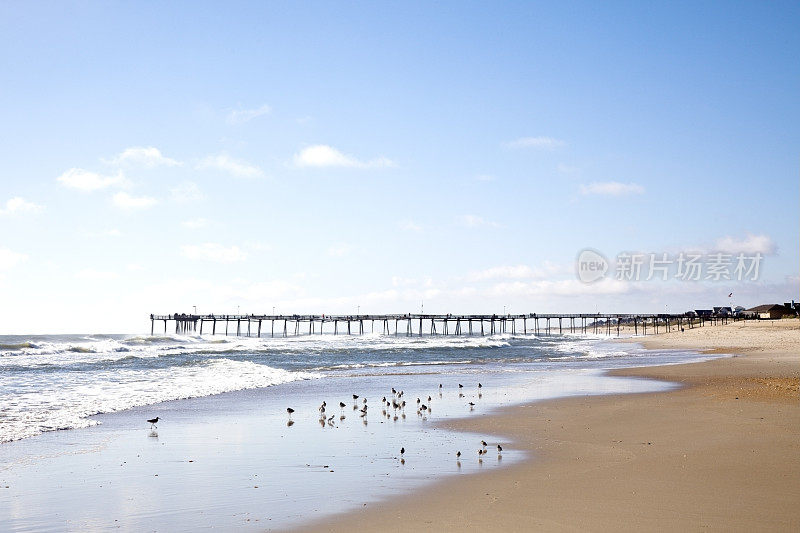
769 311
703 312
723 311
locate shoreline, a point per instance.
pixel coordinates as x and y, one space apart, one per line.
721 451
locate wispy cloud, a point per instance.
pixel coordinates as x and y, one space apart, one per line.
503 272
611 188
96 275
147 156
751 244
211 251
19 205
240 116
322 155
409 225
566 287
125 201
539 143
9 258
229 165
339 250
474 221
196 223
87 181
186 192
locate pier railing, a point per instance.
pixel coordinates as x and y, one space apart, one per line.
431 324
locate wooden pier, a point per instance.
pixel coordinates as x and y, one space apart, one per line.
435 324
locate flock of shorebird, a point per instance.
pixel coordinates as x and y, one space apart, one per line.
394 408
397 405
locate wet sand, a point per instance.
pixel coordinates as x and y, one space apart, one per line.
722 452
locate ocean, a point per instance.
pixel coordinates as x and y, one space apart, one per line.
78 454
58 382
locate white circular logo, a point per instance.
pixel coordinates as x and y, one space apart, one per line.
591 265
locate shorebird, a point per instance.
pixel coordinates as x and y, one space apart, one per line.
440 385
418 400
394 391
288 410
484 443
458 455
499 448
424 407
153 422
342 405
471 405
355 396
402 451
460 386
480 386
429 399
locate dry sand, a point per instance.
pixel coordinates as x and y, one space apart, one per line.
721 453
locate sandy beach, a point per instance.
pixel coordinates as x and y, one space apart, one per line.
722 452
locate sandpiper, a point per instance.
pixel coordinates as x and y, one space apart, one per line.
153 422
290 411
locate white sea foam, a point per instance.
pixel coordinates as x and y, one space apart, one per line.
59 401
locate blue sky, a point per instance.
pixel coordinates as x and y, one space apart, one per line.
321 156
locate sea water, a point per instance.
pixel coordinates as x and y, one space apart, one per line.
227 455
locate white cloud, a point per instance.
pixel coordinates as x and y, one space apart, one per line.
84 180
20 205
240 116
321 155
215 252
409 225
124 200
339 250
227 164
96 275
611 188
751 244
474 221
567 287
505 272
147 156
185 192
541 143
9 258
196 223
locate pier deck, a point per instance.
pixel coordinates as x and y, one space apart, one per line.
429 324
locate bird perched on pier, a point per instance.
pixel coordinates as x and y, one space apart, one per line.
153 422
